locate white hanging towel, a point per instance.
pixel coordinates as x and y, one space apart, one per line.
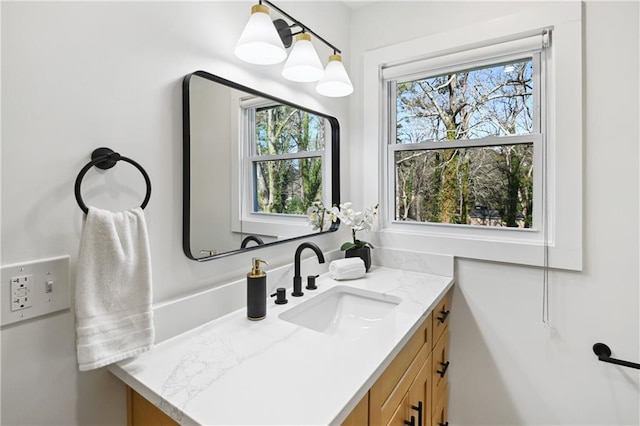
114 318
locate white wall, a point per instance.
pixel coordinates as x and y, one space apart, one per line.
79 75
507 368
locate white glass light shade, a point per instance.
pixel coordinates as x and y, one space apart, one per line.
303 64
335 82
260 43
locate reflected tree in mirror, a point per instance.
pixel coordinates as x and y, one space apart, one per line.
283 184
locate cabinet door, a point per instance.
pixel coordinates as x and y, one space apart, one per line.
440 366
440 415
402 415
417 401
388 391
420 394
441 316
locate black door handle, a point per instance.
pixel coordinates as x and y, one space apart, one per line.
444 314
411 422
445 366
419 409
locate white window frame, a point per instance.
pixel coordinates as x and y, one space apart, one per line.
559 243
277 225
536 138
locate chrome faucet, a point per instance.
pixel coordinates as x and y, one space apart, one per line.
297 279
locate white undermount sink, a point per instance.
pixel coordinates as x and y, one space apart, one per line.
342 310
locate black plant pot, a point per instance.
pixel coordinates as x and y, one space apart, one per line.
363 253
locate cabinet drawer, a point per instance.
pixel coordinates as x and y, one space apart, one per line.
440 415
440 366
441 316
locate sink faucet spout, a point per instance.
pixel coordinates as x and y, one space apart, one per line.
297 279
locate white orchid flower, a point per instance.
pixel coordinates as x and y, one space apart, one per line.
321 218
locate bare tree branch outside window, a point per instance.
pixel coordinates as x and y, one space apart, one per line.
478 185
287 185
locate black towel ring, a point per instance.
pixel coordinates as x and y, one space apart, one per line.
105 158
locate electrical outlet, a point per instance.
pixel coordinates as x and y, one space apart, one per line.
21 292
32 289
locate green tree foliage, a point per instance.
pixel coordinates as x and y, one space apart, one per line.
478 185
287 185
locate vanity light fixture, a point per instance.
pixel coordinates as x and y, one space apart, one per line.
335 81
265 45
260 42
303 64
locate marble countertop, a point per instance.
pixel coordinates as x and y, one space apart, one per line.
235 371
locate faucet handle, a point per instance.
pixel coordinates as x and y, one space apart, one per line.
311 282
211 252
281 294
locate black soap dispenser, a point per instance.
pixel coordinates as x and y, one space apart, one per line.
257 291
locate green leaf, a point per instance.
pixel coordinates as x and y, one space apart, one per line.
348 246
363 244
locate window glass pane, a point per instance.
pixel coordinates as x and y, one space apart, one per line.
282 129
485 186
287 186
492 101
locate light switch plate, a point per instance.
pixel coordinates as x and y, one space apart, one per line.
48 289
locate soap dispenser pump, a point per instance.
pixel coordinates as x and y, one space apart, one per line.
257 291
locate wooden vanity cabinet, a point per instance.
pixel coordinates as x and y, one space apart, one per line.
413 388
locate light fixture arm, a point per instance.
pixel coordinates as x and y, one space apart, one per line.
284 29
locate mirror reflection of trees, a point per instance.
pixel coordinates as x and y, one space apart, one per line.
283 184
477 185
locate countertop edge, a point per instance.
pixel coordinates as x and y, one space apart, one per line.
151 396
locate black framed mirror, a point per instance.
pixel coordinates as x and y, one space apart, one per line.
252 165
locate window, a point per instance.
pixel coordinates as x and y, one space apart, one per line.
287 153
555 235
462 144
286 166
